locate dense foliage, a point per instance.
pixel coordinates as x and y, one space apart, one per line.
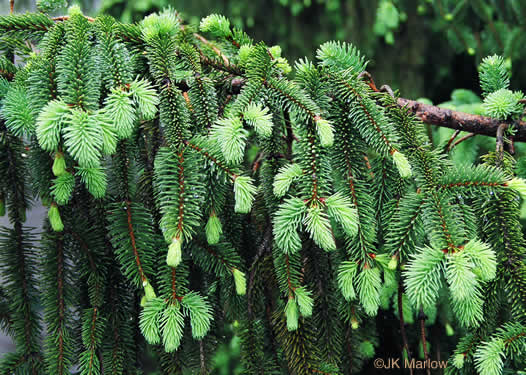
194 189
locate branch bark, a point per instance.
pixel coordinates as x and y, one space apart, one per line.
460 121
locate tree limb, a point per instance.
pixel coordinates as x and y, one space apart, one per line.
476 124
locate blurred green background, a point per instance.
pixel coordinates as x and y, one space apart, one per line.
425 48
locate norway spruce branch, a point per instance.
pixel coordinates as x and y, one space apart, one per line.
19 261
59 352
346 194
129 225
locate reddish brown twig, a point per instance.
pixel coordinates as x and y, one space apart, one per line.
216 50
402 323
500 143
448 146
422 318
65 18
369 79
467 136
131 232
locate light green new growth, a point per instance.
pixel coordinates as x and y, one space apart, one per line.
165 24
458 360
462 281
243 54
368 283
54 218
318 226
287 222
291 314
483 258
118 107
339 208
325 132
244 194
346 279
108 132
489 357
149 292
367 348
174 255
83 139
306 202
94 179
172 324
150 319
493 74
63 188
213 229
393 263
503 104
17 112
402 164
59 164
285 177
49 124
145 97
423 276
239 281
519 185
259 118
304 300
216 24
232 137
200 313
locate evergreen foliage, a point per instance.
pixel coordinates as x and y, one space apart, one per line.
193 186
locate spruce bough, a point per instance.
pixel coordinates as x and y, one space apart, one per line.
297 209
